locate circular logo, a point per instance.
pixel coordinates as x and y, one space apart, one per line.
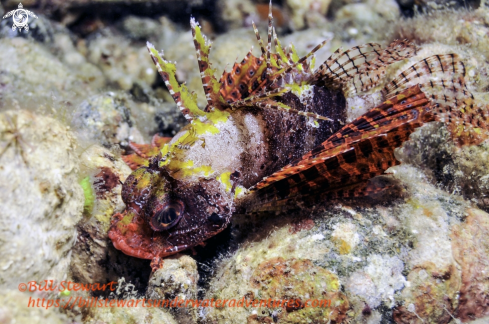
20 17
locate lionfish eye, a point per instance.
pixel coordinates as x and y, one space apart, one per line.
168 216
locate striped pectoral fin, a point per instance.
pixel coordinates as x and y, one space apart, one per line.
445 66
466 119
362 82
185 100
352 156
469 124
343 174
202 47
358 189
397 110
361 67
442 79
334 169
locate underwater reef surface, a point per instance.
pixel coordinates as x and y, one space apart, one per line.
80 86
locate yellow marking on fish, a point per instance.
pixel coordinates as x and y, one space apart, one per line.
144 180
187 169
225 179
238 190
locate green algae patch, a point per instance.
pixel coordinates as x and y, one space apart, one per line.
86 185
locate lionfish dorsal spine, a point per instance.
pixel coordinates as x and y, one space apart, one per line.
185 100
269 44
258 38
280 51
202 48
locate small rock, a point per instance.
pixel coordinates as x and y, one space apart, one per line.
304 12
237 14
107 119
140 28
177 278
366 20
34 78
122 63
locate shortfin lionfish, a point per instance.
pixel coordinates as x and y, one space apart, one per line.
273 133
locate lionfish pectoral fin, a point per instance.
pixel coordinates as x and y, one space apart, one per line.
185 100
209 82
346 161
442 78
359 189
361 68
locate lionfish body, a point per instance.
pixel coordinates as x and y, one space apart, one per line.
271 135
